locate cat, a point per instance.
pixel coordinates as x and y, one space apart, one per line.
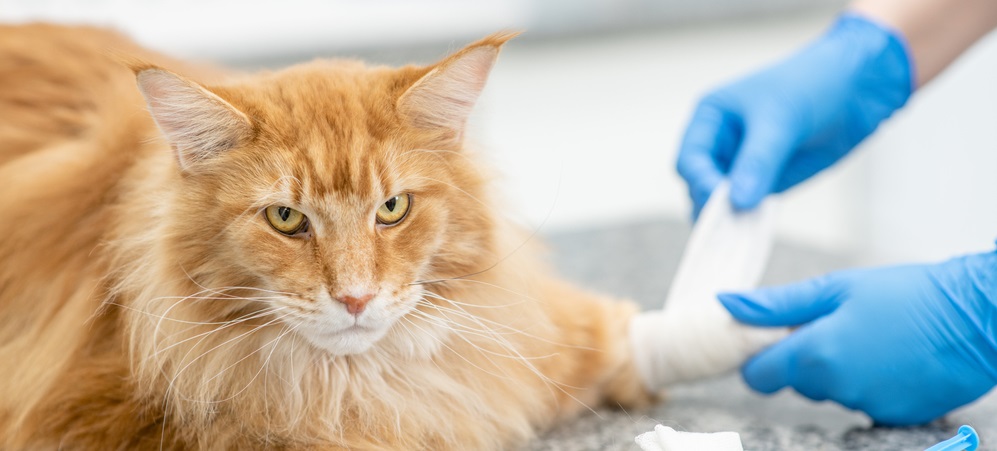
309 258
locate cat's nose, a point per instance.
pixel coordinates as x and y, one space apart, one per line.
355 305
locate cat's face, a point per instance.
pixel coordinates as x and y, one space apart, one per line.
342 227
331 188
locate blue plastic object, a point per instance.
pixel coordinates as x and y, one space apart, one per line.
780 126
966 439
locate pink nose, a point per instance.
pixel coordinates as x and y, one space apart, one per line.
355 305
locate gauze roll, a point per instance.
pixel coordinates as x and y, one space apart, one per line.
693 336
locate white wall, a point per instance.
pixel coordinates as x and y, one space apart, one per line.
932 173
603 117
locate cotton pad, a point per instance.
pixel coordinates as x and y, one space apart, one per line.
664 438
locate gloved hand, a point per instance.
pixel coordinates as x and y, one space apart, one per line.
903 344
780 126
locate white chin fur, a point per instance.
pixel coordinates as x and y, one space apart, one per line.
347 342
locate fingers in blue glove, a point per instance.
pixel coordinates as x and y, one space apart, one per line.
759 165
787 305
705 153
903 344
803 362
771 370
798 116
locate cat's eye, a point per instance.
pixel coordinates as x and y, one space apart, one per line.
394 210
286 220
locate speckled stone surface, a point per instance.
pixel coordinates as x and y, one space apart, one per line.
637 261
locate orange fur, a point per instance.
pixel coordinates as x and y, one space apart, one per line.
147 303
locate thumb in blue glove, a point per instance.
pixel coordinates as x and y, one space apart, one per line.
784 124
903 344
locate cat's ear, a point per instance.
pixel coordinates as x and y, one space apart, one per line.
196 122
443 99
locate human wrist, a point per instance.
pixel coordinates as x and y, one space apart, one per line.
970 284
883 50
937 31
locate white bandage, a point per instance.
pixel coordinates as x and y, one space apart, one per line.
688 344
694 336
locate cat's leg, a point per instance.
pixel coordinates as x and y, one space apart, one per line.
594 363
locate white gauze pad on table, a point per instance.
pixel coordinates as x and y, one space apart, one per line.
694 336
664 438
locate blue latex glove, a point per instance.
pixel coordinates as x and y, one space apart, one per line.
903 344
780 126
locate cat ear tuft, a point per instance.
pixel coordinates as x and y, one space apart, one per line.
444 97
196 122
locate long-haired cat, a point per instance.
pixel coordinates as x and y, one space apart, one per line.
301 259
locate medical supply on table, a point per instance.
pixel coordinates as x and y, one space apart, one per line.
664 438
693 336
966 439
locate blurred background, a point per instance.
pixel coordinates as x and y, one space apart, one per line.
584 112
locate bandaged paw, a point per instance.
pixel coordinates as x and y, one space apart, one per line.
693 336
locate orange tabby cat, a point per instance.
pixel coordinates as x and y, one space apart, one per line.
303 259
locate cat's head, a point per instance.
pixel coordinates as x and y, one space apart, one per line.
331 188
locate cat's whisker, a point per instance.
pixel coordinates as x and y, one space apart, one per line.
216 298
482 282
446 312
284 330
435 295
293 328
244 318
454 351
487 332
196 296
170 387
248 317
479 306
273 346
460 312
181 321
506 327
445 315
490 335
548 382
460 328
166 313
221 290
172 382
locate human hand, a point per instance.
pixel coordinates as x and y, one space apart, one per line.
782 125
903 344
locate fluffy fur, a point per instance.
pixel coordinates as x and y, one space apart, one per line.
145 302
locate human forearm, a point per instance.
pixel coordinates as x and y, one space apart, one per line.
937 31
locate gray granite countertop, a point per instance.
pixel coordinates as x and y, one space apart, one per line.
637 261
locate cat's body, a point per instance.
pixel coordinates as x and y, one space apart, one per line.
146 302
